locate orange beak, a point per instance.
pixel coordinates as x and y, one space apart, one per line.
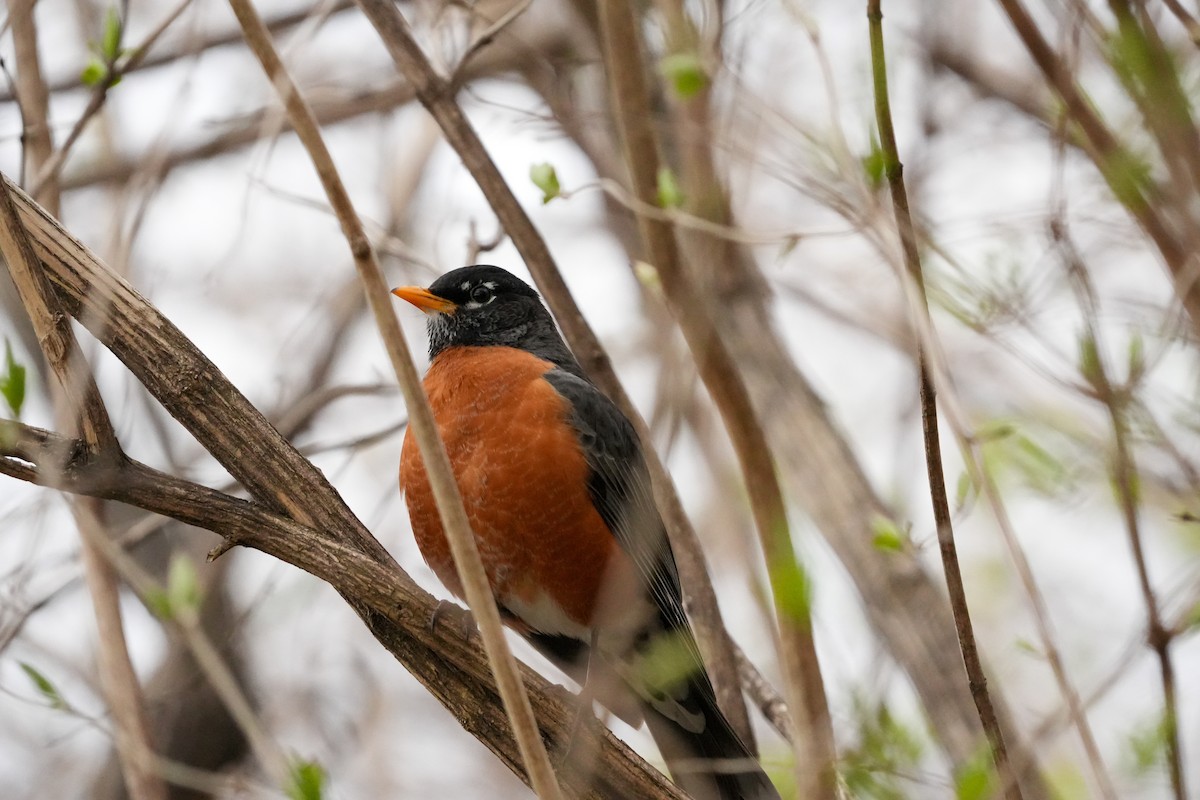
424 299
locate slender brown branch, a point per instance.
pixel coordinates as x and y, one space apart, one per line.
764 695
245 131
437 464
1117 401
1020 92
35 99
185 619
894 172
437 95
814 747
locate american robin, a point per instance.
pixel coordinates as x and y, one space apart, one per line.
559 499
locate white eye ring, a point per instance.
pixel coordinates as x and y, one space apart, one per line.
482 295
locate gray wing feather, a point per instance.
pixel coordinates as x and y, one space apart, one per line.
619 485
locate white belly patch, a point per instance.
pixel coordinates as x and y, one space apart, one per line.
544 615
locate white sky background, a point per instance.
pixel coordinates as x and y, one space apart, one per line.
235 252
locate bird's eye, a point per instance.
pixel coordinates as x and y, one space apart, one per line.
482 294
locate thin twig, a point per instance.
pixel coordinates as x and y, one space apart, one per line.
194 46
186 620
1117 400
982 477
488 35
1113 160
894 171
113 70
814 747
1187 20
441 478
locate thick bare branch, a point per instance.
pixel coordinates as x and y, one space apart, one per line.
283 483
446 658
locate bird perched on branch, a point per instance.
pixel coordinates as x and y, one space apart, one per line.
558 495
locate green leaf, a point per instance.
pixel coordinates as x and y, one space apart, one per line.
669 193
685 72
887 535
963 490
1029 648
976 780
12 381
666 663
47 689
94 73
1089 360
1148 745
545 178
875 164
995 429
306 780
1039 467
886 749
1128 175
183 586
110 42
1008 450
159 603
648 276
1137 358
793 589
1066 781
1192 619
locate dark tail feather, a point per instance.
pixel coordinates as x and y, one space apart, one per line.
704 755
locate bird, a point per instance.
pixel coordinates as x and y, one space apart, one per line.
558 494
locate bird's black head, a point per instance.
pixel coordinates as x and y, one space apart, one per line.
481 306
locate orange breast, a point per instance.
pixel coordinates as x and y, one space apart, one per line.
523 479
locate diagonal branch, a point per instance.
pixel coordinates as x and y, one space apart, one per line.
457 671
437 95
437 464
894 171
814 747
